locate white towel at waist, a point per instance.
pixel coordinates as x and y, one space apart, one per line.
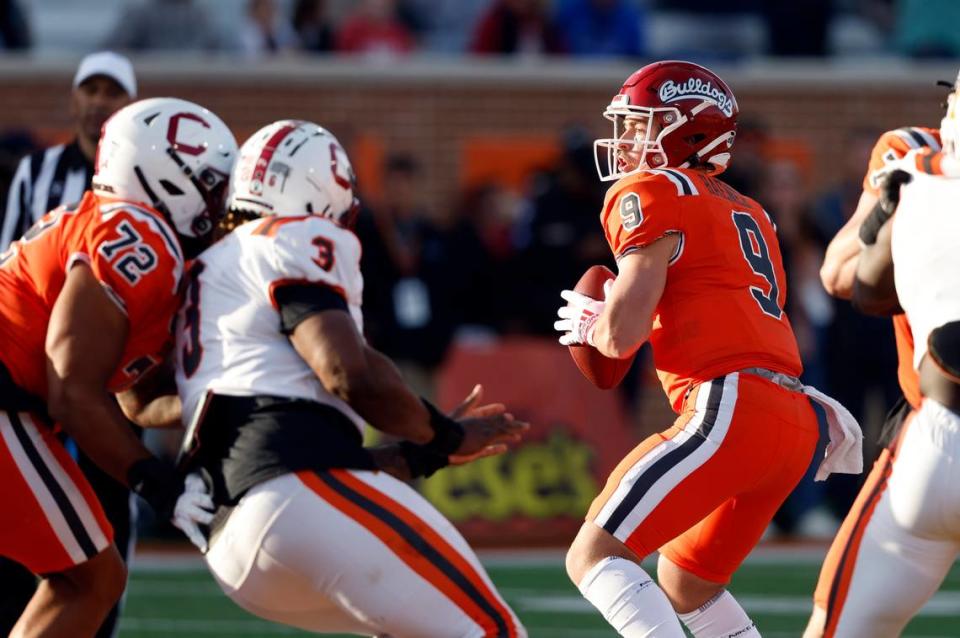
844 452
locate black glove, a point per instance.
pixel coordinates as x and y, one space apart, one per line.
890 189
886 206
158 483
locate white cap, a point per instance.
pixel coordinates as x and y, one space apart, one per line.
113 65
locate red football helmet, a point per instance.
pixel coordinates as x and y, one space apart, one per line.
691 111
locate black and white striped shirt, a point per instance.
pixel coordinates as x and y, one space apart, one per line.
44 180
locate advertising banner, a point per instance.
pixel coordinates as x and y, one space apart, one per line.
537 493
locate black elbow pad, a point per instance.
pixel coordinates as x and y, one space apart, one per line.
870 228
943 345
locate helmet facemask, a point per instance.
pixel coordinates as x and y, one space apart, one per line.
210 184
649 149
690 116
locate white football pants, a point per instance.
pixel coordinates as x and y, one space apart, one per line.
914 534
357 552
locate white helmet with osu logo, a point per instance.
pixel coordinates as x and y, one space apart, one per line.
172 155
293 167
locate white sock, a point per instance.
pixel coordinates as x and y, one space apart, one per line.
629 600
720 617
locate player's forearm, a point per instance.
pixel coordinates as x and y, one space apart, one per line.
840 261
618 339
390 459
381 396
153 402
365 379
96 423
627 317
159 412
840 264
874 289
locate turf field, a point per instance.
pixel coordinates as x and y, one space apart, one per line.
176 597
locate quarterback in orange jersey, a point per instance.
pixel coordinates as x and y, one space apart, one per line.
87 299
920 148
700 277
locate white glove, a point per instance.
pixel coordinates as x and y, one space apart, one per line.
579 317
194 508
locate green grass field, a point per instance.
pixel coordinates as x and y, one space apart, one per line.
168 598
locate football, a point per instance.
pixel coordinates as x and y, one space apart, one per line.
603 372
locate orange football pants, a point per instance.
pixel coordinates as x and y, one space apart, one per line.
704 490
52 518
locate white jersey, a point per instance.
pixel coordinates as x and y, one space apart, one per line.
229 337
926 256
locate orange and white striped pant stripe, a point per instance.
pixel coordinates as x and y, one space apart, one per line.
52 518
376 556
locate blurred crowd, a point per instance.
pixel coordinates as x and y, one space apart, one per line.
703 30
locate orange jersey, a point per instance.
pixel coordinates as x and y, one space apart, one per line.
891 146
722 306
130 249
906 375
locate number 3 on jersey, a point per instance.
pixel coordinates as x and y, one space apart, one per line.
757 254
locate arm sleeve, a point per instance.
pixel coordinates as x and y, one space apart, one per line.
18 199
298 301
641 213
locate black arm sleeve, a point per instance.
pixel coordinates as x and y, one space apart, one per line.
871 226
298 301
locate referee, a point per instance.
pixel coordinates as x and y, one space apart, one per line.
103 84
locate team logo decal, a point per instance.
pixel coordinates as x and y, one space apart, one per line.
695 88
173 127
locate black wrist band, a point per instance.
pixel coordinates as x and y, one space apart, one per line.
448 434
422 461
870 228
